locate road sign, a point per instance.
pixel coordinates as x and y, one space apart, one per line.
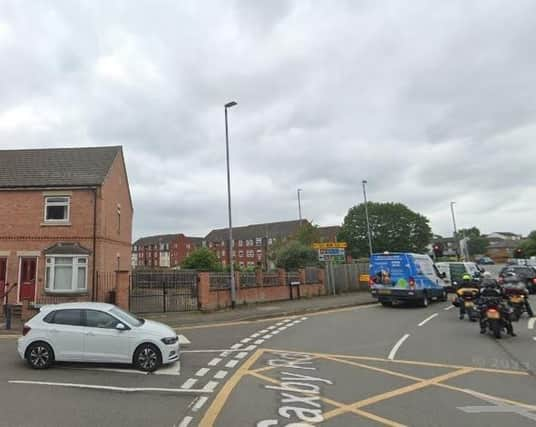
330 245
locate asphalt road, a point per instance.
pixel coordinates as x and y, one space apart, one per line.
360 366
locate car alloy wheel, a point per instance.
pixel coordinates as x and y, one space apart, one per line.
39 356
147 358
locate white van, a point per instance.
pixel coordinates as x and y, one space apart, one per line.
455 270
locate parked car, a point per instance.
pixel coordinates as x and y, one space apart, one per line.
96 332
405 277
524 273
485 260
453 272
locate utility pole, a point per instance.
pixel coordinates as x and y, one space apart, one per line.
299 190
458 248
364 182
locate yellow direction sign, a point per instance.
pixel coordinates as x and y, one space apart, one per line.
330 245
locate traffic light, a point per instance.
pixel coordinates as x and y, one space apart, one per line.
438 250
519 253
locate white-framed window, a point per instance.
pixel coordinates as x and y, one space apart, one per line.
57 208
240 243
250 254
258 241
270 241
249 242
240 253
251 264
66 273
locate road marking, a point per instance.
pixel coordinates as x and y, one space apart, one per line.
110 388
303 318
202 372
121 371
427 319
217 404
275 332
280 324
532 320
258 342
270 327
286 320
241 355
214 361
534 338
245 340
220 375
282 328
172 369
450 307
210 386
392 354
225 354
223 350
267 337
236 346
189 383
232 363
186 421
255 335
264 331
200 402
183 340
250 347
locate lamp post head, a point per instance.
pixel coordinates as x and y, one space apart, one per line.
230 104
364 181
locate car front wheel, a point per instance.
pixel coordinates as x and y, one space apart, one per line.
40 355
147 358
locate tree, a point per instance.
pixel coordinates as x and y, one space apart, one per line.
476 244
394 227
307 234
202 259
529 245
293 255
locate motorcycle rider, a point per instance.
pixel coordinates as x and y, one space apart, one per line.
491 290
467 285
511 280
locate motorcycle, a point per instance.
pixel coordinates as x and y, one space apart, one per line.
518 300
468 297
495 316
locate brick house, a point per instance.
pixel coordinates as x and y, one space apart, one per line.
251 243
66 218
165 250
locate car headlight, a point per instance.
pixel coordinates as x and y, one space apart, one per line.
170 340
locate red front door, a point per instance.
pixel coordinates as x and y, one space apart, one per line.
28 270
3 275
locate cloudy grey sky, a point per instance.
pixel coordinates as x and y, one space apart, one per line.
431 101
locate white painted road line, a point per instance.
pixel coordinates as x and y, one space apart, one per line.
287 320
214 361
235 346
534 338
258 342
250 347
232 363
216 350
532 320
278 324
264 331
282 328
303 318
211 385
189 383
450 307
270 327
241 355
220 375
200 402
171 369
185 422
202 372
225 354
427 319
245 340
111 388
255 335
392 354
122 371
275 332
183 340
267 337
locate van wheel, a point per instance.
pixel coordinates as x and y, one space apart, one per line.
425 302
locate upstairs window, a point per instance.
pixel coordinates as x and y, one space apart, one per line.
57 209
258 241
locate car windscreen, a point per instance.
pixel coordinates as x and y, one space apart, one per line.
521 271
126 317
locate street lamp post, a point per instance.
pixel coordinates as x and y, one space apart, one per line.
454 225
299 204
364 182
230 246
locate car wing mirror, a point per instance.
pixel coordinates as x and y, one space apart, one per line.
121 327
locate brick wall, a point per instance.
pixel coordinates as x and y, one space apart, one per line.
214 299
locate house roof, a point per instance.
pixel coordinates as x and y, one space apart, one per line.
198 241
505 233
159 238
271 229
504 244
56 167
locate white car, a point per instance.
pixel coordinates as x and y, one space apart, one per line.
96 332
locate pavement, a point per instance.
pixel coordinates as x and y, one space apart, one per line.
364 365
